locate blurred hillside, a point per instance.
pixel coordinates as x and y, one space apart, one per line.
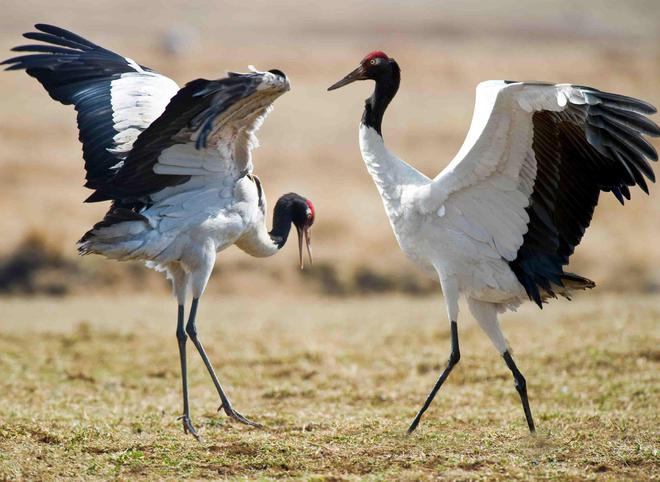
309 143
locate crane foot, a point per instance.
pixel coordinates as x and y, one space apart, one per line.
188 427
231 413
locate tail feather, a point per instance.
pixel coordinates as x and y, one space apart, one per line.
574 281
115 235
570 282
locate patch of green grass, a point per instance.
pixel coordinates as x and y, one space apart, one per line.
90 389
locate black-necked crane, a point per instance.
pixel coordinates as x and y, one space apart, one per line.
501 221
176 165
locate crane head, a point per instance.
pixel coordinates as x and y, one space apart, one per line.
372 67
294 209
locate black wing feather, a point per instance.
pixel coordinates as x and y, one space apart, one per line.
64 41
76 71
580 152
68 35
193 108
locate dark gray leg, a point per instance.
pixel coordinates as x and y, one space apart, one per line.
453 360
191 329
181 338
521 386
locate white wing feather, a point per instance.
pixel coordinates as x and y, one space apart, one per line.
137 99
227 155
485 189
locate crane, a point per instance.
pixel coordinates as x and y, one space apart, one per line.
176 165
501 221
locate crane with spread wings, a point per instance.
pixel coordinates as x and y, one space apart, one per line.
501 221
176 165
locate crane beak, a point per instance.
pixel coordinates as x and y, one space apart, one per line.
304 235
357 74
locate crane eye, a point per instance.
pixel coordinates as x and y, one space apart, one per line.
373 62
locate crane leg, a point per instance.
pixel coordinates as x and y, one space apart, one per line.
180 280
450 293
191 329
454 357
181 339
486 314
521 387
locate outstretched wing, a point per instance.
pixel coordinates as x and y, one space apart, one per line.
528 176
115 98
206 131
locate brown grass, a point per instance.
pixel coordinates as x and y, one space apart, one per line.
90 389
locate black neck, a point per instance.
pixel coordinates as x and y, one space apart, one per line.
387 85
282 219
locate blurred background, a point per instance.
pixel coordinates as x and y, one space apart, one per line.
309 143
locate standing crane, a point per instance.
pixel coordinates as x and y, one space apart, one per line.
501 221
176 165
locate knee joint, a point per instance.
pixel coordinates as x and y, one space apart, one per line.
454 358
521 383
191 330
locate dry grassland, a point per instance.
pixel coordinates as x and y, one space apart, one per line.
90 389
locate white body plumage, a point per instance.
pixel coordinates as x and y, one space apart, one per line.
467 224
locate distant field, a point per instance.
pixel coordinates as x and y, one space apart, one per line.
309 143
90 388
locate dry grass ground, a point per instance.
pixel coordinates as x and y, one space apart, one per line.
90 389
